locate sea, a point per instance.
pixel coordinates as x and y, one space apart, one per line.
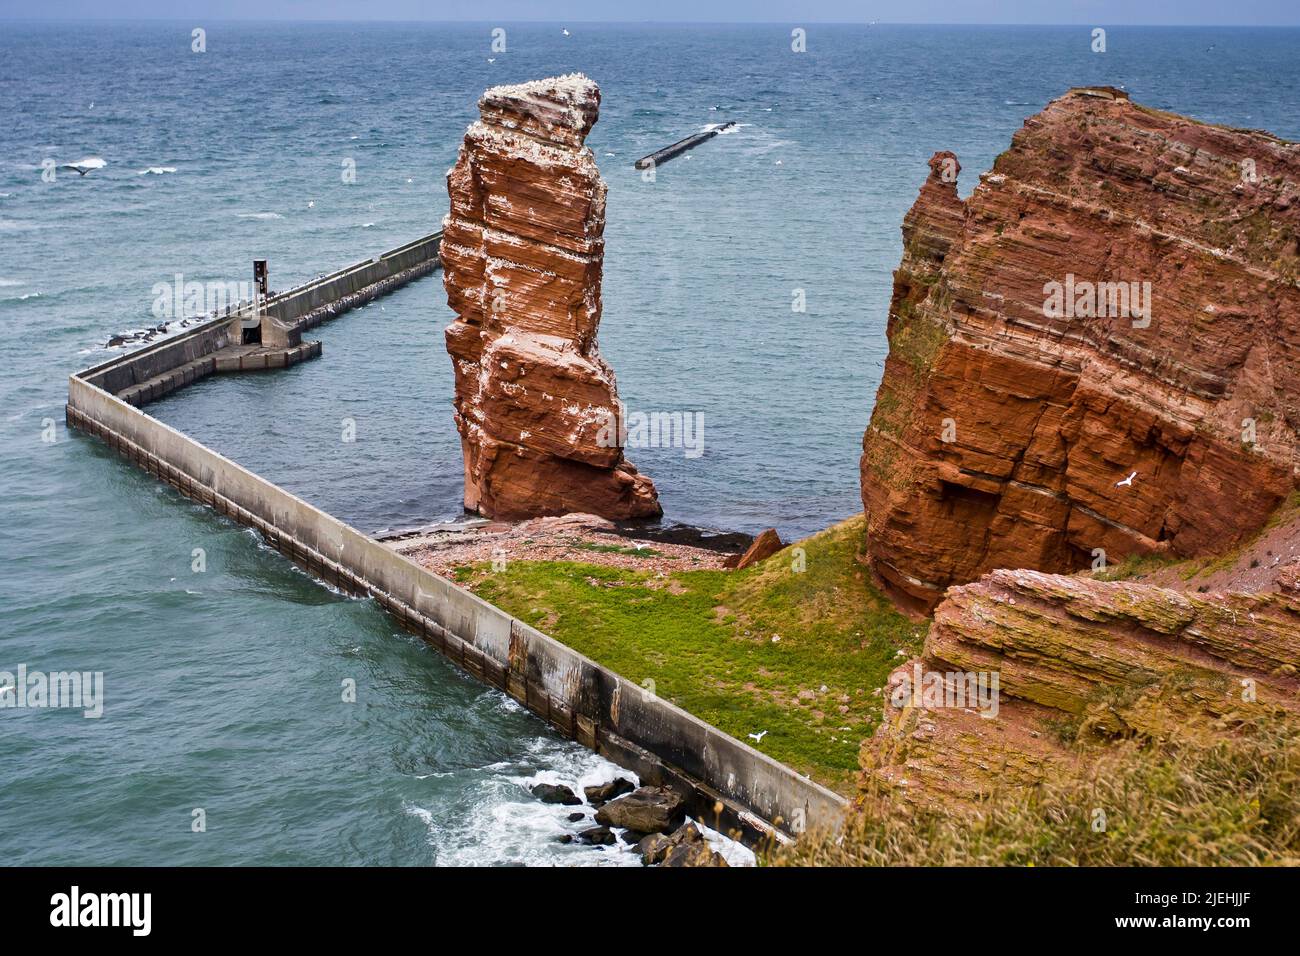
747 286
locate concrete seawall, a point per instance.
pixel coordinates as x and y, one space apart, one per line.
307 305
146 374
577 696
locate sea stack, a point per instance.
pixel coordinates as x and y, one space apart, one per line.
536 406
1096 354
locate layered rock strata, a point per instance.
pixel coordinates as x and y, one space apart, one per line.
522 250
1083 660
1036 413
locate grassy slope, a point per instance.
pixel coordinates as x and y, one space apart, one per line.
705 639
1229 801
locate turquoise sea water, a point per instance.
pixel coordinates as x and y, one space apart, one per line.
222 688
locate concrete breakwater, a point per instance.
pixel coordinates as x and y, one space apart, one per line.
672 151
218 345
578 697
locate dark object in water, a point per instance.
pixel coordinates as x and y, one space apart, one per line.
676 149
725 542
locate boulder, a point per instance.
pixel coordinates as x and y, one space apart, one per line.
655 847
605 792
598 836
647 810
555 793
764 546
694 854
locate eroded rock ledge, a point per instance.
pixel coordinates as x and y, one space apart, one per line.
1000 435
1081 659
522 252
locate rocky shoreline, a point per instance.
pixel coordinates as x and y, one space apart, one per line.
576 537
650 821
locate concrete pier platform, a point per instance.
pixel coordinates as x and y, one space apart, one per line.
231 358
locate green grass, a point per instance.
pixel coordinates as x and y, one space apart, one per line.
1137 565
705 638
1230 801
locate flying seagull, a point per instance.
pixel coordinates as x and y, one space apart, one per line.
758 737
7 688
84 166
566 31
1127 482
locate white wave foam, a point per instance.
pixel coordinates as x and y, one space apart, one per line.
86 164
7 283
736 854
156 170
260 215
420 813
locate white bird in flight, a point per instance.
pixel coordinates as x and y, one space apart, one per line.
1127 482
6 689
566 31
758 737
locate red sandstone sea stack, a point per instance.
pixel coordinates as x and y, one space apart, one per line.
1009 434
536 406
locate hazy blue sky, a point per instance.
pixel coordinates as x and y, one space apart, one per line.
1093 12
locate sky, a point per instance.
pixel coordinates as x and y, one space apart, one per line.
1090 12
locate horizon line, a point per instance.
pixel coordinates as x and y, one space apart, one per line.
774 23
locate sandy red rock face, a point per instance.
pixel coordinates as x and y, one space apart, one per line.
522 251
1112 658
999 434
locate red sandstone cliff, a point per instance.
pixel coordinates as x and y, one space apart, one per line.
1002 429
522 250
1081 660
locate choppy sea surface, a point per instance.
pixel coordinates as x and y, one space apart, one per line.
223 687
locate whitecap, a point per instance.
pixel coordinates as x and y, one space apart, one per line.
156 170
424 815
260 215
7 283
87 164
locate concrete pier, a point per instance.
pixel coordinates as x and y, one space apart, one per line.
659 157
218 346
759 797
